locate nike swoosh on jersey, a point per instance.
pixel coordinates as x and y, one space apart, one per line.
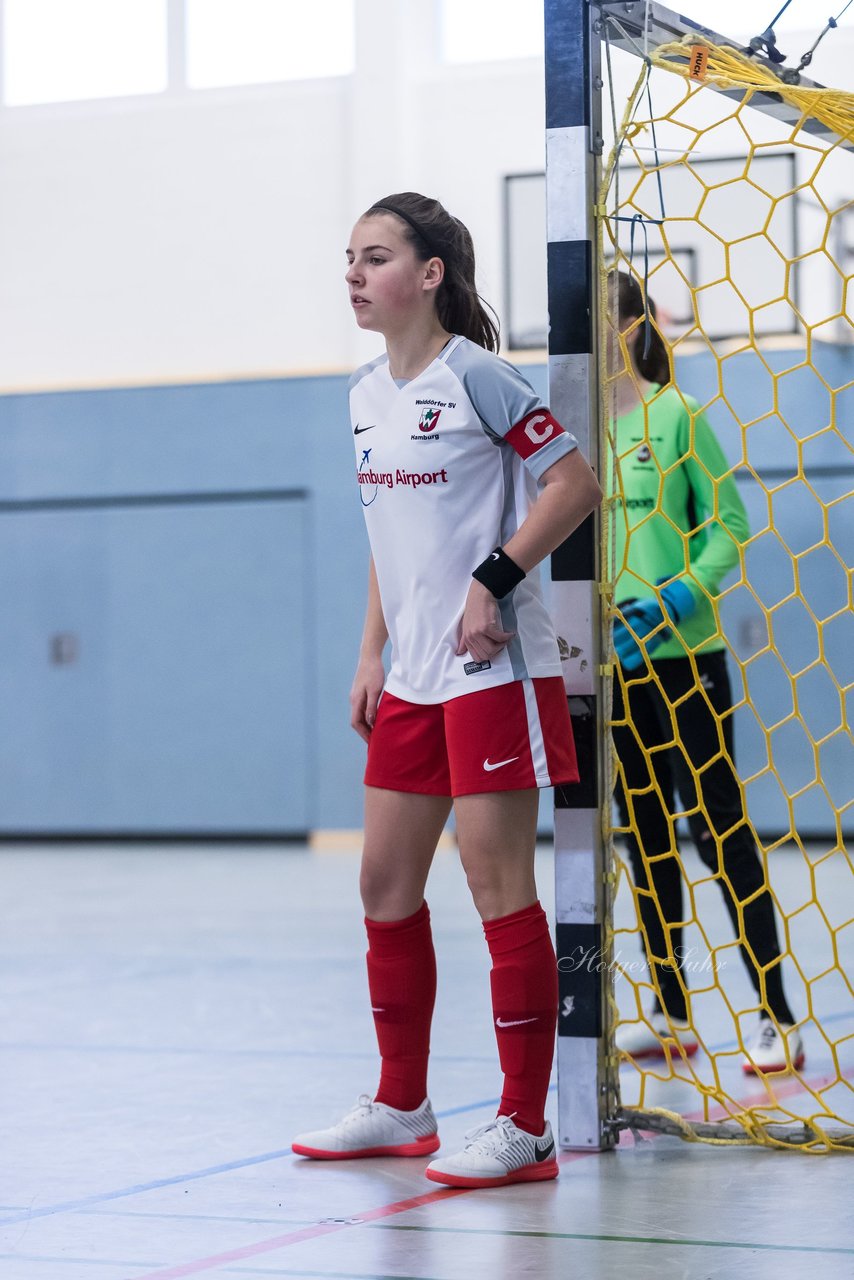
520 1022
357 430
498 764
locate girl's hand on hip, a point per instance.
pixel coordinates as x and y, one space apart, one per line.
481 633
365 695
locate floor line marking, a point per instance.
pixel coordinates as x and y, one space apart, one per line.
295 1237
90 1261
477 1106
785 1088
23 1046
782 1088
198 1265
314 1231
819 1020
580 1235
304 1272
196 1217
70 1206
73 1206
325 1275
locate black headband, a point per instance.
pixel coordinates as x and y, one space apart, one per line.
390 208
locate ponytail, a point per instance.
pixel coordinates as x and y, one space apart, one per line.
435 233
656 365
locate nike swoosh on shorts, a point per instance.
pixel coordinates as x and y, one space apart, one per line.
498 765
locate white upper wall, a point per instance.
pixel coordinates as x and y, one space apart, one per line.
202 235
197 235
174 239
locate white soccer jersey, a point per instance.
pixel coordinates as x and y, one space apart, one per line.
447 467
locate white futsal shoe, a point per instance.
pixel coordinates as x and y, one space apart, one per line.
373 1129
497 1154
770 1049
653 1038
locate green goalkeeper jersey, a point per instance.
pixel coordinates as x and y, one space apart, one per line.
677 513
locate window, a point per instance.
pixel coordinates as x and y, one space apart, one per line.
61 50
252 41
486 30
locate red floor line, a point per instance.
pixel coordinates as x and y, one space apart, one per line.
322 1229
783 1088
768 1095
294 1237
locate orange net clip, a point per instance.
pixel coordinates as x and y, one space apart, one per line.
698 61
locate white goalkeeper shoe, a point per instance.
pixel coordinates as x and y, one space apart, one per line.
652 1037
373 1129
773 1049
497 1154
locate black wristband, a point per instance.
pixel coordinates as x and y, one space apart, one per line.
499 574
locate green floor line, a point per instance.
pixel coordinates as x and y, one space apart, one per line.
324 1275
578 1235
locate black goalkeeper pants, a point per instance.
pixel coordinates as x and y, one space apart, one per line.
697 731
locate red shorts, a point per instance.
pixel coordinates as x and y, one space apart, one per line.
508 738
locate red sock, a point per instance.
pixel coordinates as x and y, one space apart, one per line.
402 982
524 1005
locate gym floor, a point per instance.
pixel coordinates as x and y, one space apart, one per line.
173 1015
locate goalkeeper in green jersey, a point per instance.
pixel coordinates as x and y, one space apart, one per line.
679 524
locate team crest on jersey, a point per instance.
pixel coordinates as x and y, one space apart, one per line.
429 420
644 453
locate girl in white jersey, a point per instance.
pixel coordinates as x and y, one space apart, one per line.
467 482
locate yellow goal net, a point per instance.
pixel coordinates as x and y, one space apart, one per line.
733 936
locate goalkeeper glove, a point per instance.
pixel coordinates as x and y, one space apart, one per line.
647 623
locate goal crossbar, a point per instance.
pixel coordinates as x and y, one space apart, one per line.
626 20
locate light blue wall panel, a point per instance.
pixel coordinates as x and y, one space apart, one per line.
189 706
788 416
796 691
800 449
232 439
224 438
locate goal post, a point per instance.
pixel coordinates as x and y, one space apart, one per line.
697 274
586 1074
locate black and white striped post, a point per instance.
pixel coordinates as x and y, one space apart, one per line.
573 147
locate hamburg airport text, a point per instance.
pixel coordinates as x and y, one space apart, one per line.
411 478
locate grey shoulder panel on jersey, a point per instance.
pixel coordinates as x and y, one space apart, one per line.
501 396
364 370
539 462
